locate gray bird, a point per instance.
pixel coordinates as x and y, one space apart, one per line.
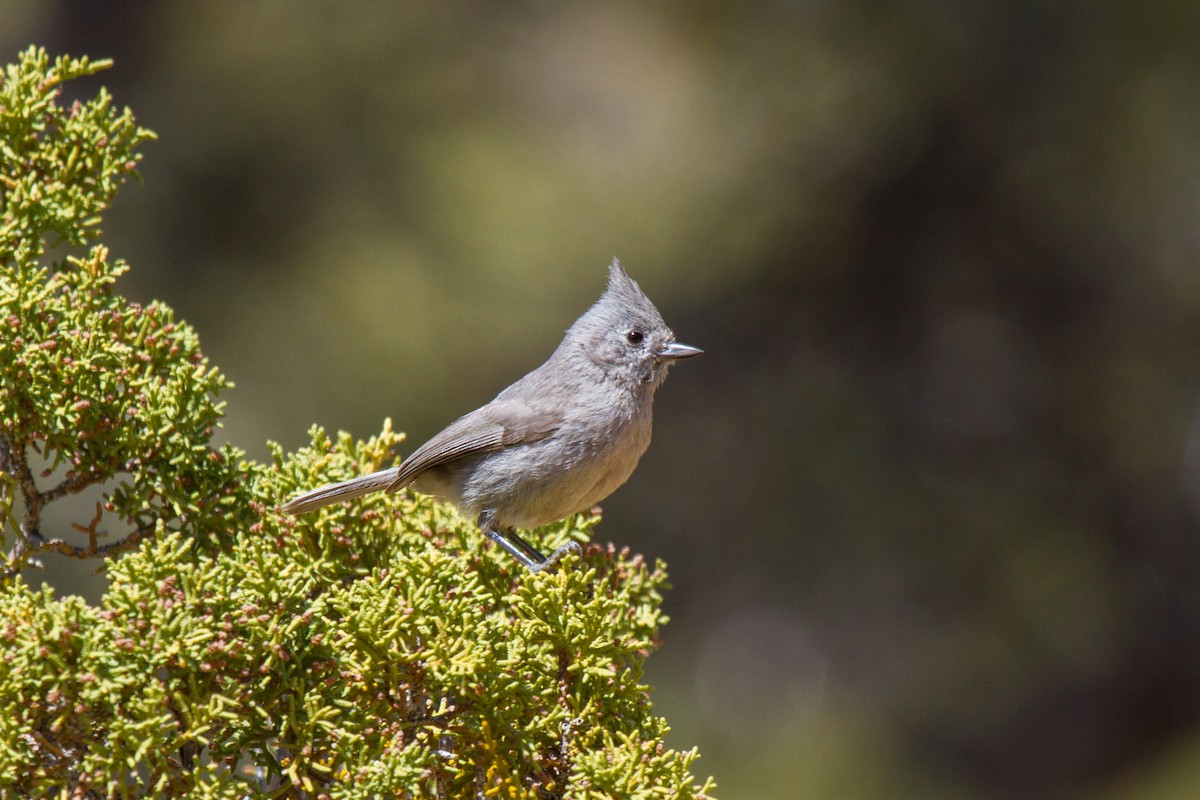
556 442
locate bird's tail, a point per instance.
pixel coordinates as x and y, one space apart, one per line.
335 492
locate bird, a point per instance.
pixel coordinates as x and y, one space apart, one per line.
554 443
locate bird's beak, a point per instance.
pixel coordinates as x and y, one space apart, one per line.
677 352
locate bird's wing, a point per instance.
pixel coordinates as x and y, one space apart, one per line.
499 424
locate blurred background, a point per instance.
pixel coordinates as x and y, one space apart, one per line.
930 499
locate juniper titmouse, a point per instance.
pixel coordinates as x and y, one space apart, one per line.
557 441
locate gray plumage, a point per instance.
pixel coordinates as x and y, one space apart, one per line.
554 443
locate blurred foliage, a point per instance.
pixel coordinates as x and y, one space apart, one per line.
373 650
930 499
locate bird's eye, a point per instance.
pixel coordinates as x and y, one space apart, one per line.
634 337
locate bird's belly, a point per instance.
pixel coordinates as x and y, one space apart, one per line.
542 482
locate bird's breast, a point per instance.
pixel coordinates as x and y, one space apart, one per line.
576 467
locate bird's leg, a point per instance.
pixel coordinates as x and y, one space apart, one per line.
553 558
520 549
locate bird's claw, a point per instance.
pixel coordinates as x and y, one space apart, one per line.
556 556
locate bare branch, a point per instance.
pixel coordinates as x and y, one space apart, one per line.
72 485
63 547
15 463
90 530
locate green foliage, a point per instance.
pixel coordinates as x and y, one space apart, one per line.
373 649
92 388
